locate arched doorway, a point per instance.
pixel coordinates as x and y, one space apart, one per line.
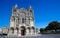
28 30
17 30
23 30
12 30
32 30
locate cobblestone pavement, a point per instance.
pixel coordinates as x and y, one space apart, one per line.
40 36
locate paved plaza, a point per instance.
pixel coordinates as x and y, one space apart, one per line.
39 36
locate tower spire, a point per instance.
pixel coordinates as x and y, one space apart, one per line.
30 6
16 5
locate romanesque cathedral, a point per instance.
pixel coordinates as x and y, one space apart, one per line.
22 22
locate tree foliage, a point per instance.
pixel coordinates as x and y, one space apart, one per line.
42 29
54 25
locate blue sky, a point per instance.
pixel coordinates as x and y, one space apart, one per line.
45 11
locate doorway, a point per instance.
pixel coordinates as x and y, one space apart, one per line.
22 30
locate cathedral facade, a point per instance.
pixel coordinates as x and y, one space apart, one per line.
22 22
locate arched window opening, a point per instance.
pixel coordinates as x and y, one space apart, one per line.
22 20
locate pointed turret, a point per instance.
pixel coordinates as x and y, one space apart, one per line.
16 5
30 11
14 9
30 8
31 16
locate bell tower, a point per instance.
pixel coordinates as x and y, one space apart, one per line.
14 10
31 16
13 16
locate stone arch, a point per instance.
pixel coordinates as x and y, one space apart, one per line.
23 29
17 30
12 29
28 30
33 29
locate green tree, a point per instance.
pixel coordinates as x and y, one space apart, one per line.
42 30
52 26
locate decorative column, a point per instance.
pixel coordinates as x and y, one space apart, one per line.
35 31
27 31
19 32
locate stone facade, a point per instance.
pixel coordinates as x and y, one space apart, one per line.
22 22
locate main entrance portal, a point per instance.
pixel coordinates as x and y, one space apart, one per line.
22 30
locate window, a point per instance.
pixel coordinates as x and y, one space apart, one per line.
22 20
30 10
14 10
